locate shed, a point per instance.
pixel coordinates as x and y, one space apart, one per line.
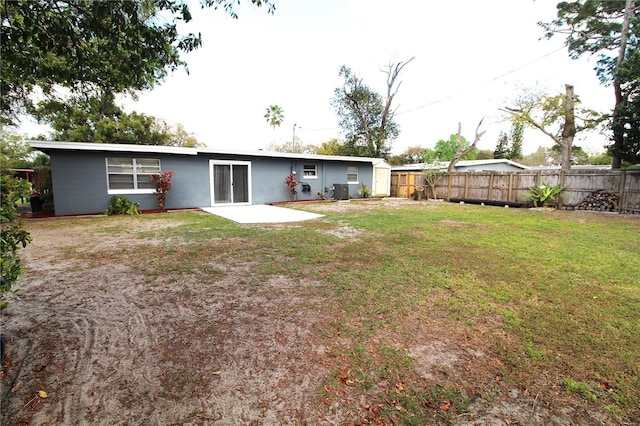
86 175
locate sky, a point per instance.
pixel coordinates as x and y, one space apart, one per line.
471 58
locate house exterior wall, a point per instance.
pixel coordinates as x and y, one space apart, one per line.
80 184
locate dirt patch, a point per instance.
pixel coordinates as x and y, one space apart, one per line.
109 346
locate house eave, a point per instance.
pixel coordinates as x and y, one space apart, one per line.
47 146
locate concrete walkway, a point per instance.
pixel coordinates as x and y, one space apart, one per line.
262 213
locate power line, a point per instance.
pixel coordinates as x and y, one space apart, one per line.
491 80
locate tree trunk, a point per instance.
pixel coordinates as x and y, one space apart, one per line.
569 129
618 131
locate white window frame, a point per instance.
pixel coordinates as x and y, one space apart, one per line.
307 168
352 170
135 174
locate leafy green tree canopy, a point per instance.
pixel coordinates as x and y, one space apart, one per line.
365 117
86 46
609 29
445 150
510 145
412 155
14 152
100 120
330 147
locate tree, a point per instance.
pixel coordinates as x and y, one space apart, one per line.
627 120
517 138
538 158
177 134
445 150
606 27
502 148
98 119
14 152
461 150
510 145
554 116
429 156
12 234
330 147
290 147
412 155
365 116
91 47
484 154
578 155
274 116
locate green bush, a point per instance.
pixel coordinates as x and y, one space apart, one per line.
543 194
122 205
364 190
12 235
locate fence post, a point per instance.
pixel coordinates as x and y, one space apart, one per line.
510 186
623 179
490 186
466 185
449 187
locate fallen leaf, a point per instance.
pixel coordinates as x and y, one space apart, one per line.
445 405
42 394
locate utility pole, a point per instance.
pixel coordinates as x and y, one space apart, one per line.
293 140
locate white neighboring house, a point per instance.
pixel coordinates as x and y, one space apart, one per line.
496 165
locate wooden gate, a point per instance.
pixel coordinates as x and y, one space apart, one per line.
402 184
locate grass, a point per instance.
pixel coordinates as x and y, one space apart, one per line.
553 296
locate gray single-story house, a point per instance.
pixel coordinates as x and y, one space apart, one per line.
494 165
86 175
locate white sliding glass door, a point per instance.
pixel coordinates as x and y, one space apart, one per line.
230 182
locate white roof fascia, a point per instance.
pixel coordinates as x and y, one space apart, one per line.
112 147
151 149
291 155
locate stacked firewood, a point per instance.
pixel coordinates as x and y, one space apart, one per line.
602 201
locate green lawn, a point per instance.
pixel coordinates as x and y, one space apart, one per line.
551 298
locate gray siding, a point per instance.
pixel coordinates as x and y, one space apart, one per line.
80 179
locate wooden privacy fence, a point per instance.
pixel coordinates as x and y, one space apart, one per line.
513 186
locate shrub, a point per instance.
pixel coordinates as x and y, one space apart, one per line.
122 205
12 235
292 185
162 181
364 190
542 194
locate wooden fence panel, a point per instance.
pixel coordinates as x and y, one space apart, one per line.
630 197
513 186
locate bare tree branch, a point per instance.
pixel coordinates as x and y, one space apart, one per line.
461 152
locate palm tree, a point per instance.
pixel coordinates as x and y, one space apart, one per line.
274 116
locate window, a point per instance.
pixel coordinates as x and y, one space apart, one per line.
310 171
131 175
352 175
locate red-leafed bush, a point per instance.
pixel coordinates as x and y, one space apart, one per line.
292 185
162 182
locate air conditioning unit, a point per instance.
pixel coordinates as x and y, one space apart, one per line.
340 191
